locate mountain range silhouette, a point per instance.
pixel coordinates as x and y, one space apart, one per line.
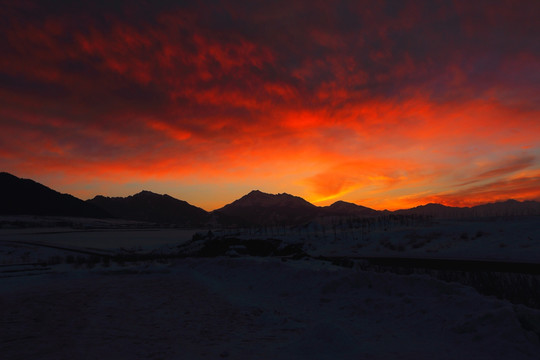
27 197
151 207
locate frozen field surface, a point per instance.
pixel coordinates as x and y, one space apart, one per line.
254 308
100 239
40 244
514 239
509 239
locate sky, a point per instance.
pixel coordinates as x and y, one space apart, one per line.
387 104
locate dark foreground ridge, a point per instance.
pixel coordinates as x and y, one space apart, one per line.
27 197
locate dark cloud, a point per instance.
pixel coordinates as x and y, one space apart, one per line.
442 47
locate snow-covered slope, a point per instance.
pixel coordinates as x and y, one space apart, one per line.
55 303
256 308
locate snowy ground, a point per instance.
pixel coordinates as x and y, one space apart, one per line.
262 308
514 239
33 245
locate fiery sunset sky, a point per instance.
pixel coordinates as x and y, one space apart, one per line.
388 104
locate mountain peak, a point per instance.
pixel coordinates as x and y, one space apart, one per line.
256 194
340 203
341 207
433 205
146 193
149 206
7 175
261 199
264 208
27 197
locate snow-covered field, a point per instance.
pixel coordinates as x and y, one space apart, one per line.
514 239
33 245
247 308
259 307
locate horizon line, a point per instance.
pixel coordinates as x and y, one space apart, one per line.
284 193
339 200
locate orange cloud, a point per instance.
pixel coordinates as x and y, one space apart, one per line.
334 102
522 188
365 178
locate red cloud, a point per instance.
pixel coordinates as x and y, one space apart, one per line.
362 101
